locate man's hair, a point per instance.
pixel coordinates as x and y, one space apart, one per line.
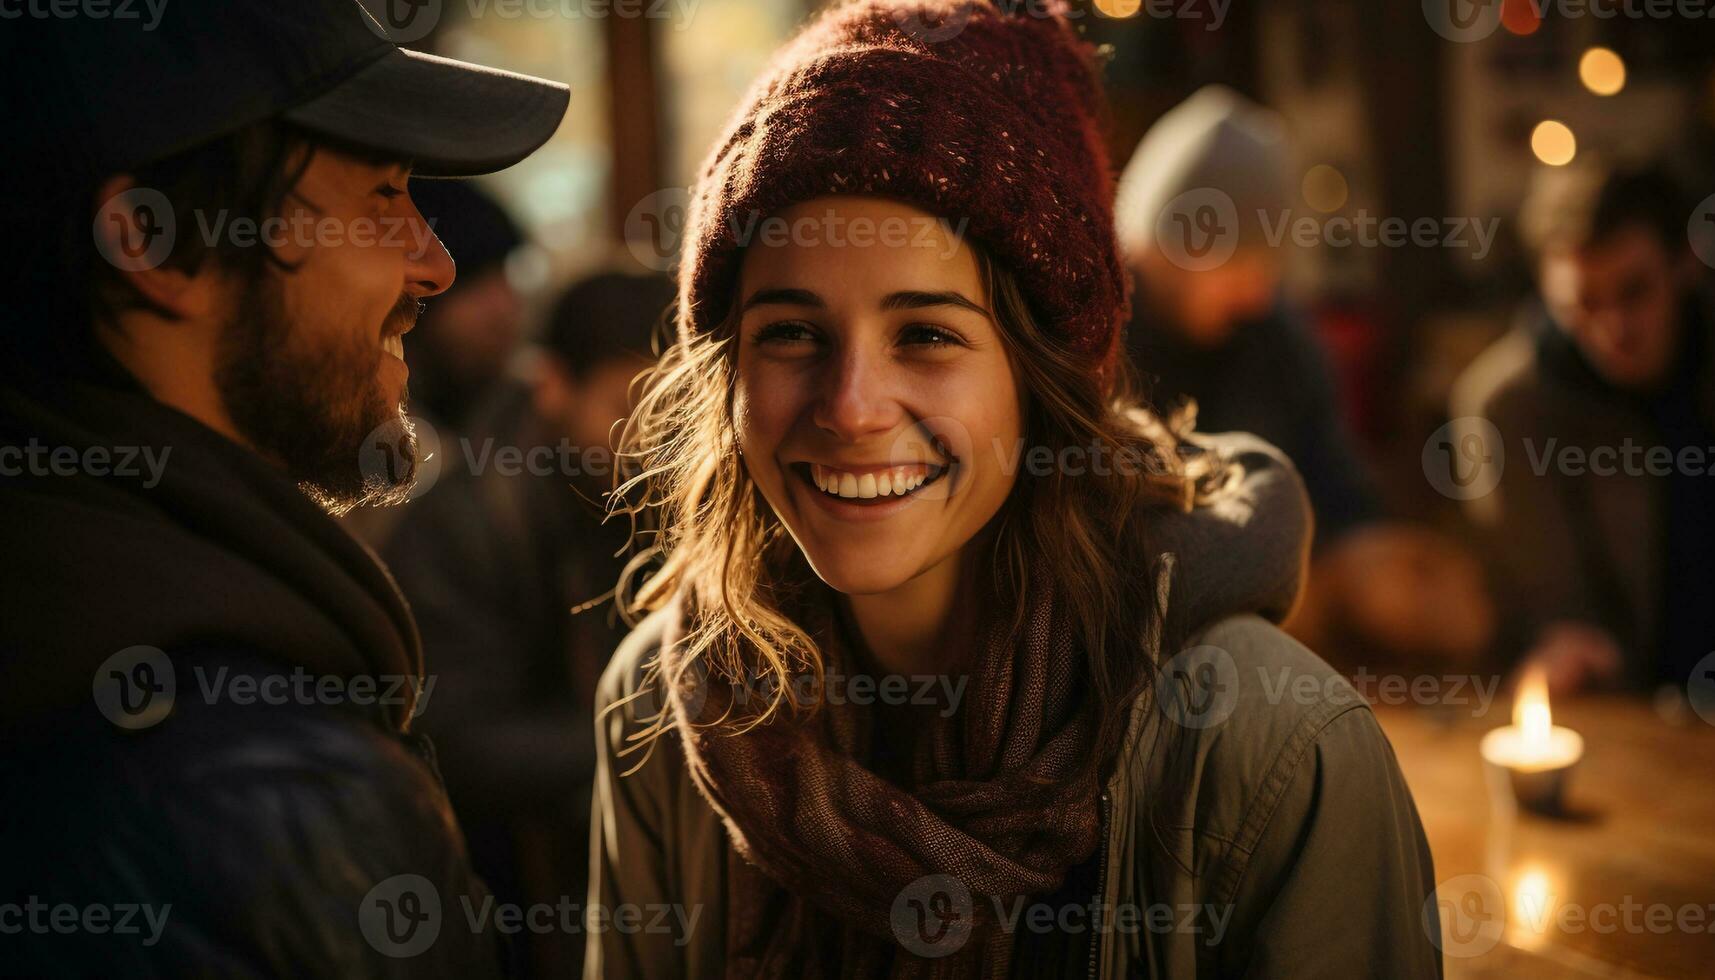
65 286
1572 209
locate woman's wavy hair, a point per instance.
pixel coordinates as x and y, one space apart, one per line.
701 527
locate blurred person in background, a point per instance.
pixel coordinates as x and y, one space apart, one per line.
494 559
1602 526
1221 334
465 342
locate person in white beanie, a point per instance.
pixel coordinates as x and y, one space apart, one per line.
1210 326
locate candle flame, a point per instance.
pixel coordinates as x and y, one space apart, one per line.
1531 714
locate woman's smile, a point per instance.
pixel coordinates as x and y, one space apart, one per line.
865 492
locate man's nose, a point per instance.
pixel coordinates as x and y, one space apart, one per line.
429 269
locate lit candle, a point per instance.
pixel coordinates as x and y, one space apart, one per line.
1534 754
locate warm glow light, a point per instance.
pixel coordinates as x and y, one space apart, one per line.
1553 143
1531 714
1602 71
1533 906
1118 8
1532 743
1520 17
1324 188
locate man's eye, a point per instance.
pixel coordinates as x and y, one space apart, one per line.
390 192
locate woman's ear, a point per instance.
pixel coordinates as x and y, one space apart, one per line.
136 231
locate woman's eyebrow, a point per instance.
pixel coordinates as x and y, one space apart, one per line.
916 300
782 297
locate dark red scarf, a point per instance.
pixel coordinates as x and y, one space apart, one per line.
998 796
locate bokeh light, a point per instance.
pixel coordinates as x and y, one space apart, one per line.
1553 143
1602 71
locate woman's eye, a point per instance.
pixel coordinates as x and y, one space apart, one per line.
788 332
928 335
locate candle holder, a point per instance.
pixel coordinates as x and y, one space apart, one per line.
1532 759
1536 783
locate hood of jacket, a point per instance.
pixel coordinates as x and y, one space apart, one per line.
1246 549
128 523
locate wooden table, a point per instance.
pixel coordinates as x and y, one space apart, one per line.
1623 887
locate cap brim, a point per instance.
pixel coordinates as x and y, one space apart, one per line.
449 118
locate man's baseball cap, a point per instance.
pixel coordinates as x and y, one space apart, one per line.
116 92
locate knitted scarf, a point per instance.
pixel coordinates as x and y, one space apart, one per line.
847 872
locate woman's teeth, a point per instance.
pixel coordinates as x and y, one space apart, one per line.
394 345
896 482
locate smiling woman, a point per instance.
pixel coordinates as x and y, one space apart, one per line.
829 452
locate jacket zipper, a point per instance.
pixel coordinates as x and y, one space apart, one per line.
1101 888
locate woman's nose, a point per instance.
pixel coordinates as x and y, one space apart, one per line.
856 396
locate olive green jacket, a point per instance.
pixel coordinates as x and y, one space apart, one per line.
1256 825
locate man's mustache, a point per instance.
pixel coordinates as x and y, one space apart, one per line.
404 315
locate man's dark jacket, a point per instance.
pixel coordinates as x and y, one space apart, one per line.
272 834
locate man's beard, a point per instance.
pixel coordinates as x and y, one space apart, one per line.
312 404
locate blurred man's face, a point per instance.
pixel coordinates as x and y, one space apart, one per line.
584 410
1619 299
312 360
1204 307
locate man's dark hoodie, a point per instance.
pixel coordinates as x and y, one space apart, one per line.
281 819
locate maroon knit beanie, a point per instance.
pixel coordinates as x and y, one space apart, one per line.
952 106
